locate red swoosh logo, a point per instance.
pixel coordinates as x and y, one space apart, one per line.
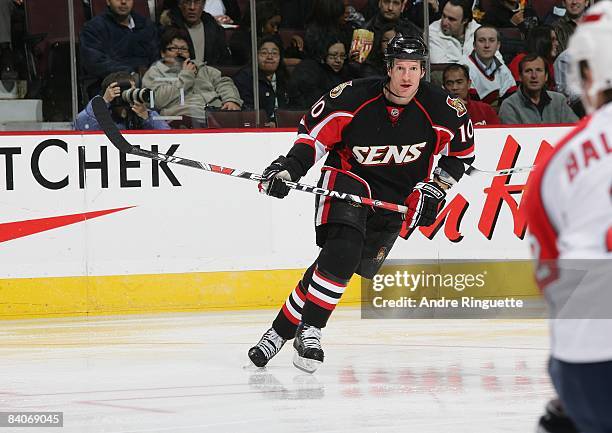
20 229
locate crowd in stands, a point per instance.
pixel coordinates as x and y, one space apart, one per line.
505 59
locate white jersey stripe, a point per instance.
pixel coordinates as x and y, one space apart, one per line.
320 150
321 200
315 131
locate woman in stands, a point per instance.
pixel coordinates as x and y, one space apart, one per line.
182 87
268 21
273 79
327 19
313 77
541 40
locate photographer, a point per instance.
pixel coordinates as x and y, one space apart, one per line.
127 114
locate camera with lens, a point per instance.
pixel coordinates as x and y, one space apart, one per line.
129 95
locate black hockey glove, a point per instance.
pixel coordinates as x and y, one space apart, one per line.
274 176
423 203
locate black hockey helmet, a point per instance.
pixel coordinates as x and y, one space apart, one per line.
411 47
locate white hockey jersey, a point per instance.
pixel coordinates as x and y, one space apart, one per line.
489 88
569 208
448 49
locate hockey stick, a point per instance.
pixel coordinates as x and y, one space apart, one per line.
471 171
118 140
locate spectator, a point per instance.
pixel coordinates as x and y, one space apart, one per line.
183 86
273 79
456 80
452 37
510 14
118 40
312 78
224 11
561 67
126 116
533 103
7 65
326 20
352 16
268 20
206 36
374 64
541 40
390 11
566 25
411 10
491 78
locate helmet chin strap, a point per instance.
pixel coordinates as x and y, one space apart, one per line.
404 98
388 89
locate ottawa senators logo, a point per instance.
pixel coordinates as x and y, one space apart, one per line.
457 105
336 91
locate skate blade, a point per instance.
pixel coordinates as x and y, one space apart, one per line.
305 364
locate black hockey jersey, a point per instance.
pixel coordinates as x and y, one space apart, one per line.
390 147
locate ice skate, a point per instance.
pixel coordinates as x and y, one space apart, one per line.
307 344
555 419
268 346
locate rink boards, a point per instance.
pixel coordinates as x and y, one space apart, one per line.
85 230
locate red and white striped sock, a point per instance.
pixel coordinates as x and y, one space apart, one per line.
290 314
324 293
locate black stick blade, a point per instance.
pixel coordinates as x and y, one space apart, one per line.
107 124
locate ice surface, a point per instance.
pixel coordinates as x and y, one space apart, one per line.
187 373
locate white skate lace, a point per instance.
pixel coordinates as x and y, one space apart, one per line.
311 337
271 343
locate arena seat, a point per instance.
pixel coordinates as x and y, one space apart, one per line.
436 72
188 122
48 51
228 70
235 119
50 17
288 118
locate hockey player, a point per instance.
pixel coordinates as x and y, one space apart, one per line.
569 208
380 136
